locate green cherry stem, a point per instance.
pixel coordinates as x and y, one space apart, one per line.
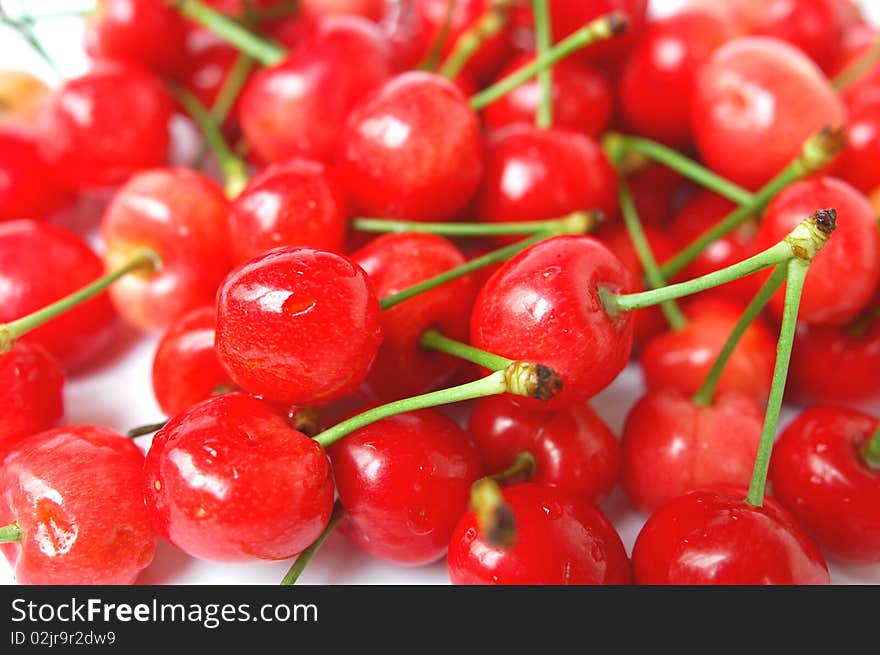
871 449
144 260
519 378
706 392
436 340
299 565
543 43
802 242
670 309
797 272
149 428
232 86
523 468
25 28
818 150
432 59
605 27
858 69
10 533
467 45
574 223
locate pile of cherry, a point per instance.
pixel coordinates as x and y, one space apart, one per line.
565 186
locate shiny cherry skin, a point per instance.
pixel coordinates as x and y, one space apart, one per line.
75 492
298 326
561 539
299 107
573 448
681 359
42 263
28 188
543 306
395 262
672 446
658 80
185 367
149 33
715 537
404 482
844 275
756 101
819 474
98 129
230 480
856 164
31 400
298 202
181 214
412 150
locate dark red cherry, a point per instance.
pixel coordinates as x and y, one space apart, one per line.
42 263
671 445
412 150
561 539
395 262
75 492
543 306
573 448
28 188
230 480
298 202
716 537
857 163
820 475
298 326
655 192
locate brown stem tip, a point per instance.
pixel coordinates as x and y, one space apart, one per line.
532 380
495 519
618 23
822 146
826 220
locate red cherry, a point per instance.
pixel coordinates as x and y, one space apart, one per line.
681 359
185 368
857 163
230 480
573 448
560 539
299 107
844 276
41 263
757 100
27 186
146 32
715 537
582 99
395 262
31 401
181 215
857 42
543 306
298 202
207 70
75 493
402 31
371 9
412 150
672 446
404 482
298 326
658 80
100 128
819 474
655 191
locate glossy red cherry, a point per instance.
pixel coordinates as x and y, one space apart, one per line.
298 202
41 263
230 480
715 537
560 539
412 150
543 306
101 127
75 492
573 448
31 400
395 262
757 100
658 80
819 474
185 368
404 482
857 163
146 32
181 215
28 188
298 326
299 107
671 445
844 276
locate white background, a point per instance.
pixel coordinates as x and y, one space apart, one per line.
116 391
